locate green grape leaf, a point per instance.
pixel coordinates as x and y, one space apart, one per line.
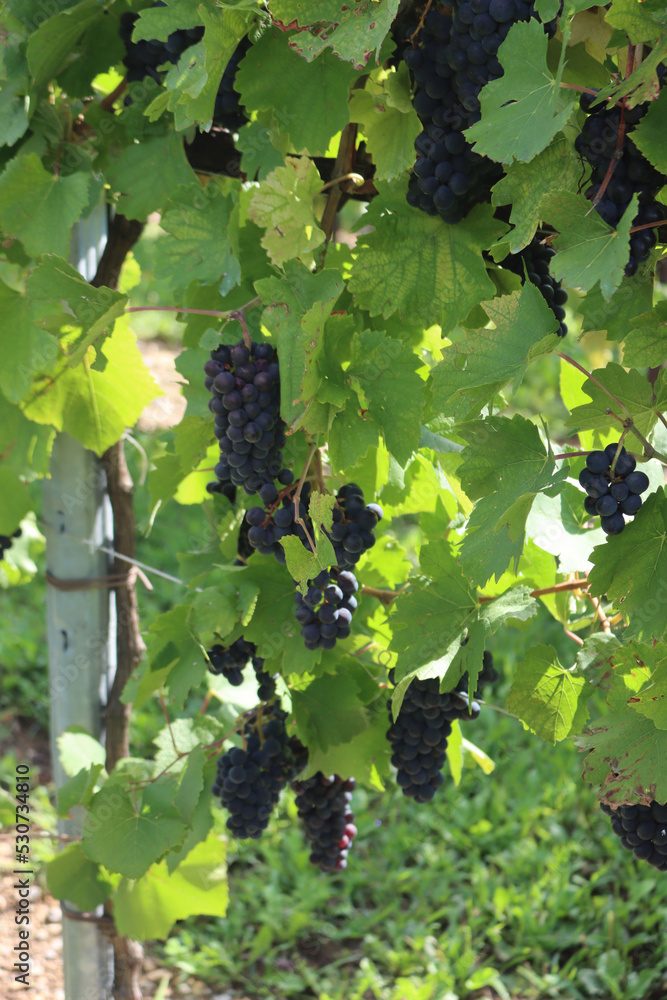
296 308
191 441
418 265
504 467
24 348
13 112
55 289
39 208
173 657
95 407
649 135
125 836
15 501
588 249
526 184
200 823
147 909
192 85
651 700
73 877
642 84
147 173
189 735
353 33
78 749
78 790
441 610
556 525
191 784
476 367
384 374
627 755
632 568
273 627
259 155
193 250
643 22
160 22
316 724
549 699
309 99
522 111
365 756
302 563
55 38
350 437
633 390
389 126
616 316
646 343
283 206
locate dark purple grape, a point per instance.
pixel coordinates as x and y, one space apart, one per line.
597 462
613 525
637 482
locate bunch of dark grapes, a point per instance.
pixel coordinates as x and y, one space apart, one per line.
643 830
419 735
267 527
537 258
449 177
457 56
249 780
230 662
353 524
324 809
325 612
479 27
143 58
245 384
6 542
632 172
612 493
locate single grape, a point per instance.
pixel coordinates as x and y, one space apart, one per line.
597 462
637 482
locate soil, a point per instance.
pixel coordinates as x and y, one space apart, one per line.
165 411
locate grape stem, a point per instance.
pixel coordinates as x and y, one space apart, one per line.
620 138
628 424
556 588
386 596
420 25
317 462
599 611
581 90
297 496
229 314
571 635
619 446
575 364
627 421
649 225
352 176
565 454
168 720
108 102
